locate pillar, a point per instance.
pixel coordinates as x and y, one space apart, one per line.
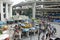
10 11
22 11
7 11
2 17
42 5
34 9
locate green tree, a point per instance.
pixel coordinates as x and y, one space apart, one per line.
28 12
13 13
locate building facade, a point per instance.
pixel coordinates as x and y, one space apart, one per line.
5 10
51 0
52 14
49 9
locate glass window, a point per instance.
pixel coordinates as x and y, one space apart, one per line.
4 5
4 15
4 10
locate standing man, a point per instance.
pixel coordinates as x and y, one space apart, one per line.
17 33
39 31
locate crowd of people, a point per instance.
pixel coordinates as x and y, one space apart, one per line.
17 32
47 29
